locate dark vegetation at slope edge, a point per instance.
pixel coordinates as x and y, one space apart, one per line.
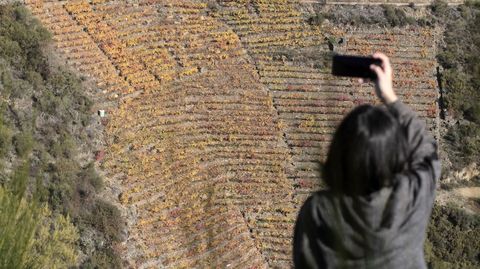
452 240
383 15
45 123
460 79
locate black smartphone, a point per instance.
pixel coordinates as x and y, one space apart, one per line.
354 66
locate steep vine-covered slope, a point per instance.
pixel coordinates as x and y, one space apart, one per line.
218 115
194 143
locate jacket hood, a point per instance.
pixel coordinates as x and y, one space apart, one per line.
359 226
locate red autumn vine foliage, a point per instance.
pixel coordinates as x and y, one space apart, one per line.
214 140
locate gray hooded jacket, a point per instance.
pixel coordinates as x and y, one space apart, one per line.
385 229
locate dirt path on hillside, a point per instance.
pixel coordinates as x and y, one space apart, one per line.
463 197
472 192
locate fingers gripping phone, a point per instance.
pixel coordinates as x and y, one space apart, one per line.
354 66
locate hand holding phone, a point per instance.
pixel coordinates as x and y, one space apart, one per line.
376 68
384 80
354 66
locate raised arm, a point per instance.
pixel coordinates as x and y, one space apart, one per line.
424 165
420 143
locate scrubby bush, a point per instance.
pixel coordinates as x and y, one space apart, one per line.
439 7
464 140
31 236
47 134
472 113
104 258
460 79
384 15
457 88
317 19
28 34
54 244
63 146
23 143
106 218
18 221
396 16
453 238
90 175
5 139
213 6
10 49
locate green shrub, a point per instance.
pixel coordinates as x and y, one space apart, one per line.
6 81
20 88
54 244
10 49
457 88
35 79
424 22
106 218
17 226
396 16
472 113
213 6
23 143
464 139
18 221
63 146
317 19
453 238
46 102
30 236
473 3
66 95
59 195
439 7
5 140
104 258
88 174
19 27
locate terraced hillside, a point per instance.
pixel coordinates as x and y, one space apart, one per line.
378 2
218 116
309 101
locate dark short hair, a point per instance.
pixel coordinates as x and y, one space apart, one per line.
367 150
